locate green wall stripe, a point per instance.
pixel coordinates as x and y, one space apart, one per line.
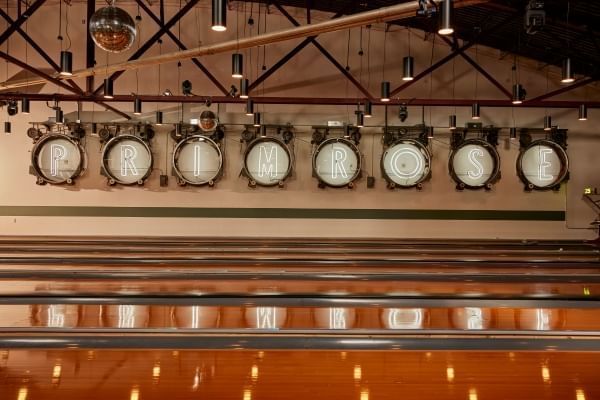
280 213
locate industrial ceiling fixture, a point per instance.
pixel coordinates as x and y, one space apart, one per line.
519 94
7 127
475 108
475 111
159 118
112 29
567 72
385 91
452 119
250 107
445 27
244 84
360 120
237 65
385 85
257 119
547 123
25 105
137 106
513 133
66 63
219 15
368 109
452 122
583 112
108 89
408 64
59 117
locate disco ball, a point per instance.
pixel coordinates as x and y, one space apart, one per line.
112 29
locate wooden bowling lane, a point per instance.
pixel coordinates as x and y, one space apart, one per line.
177 374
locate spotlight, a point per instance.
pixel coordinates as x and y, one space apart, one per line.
219 15
535 17
25 105
137 106
66 63
547 123
583 112
513 133
567 72
250 107
244 88
452 122
403 113
368 109
446 18
385 91
475 111
409 66
237 65
12 108
108 88
159 118
257 119
519 94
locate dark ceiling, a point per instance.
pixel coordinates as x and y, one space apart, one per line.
576 35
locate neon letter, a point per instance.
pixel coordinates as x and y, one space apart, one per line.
56 318
338 156
197 160
544 164
269 166
472 154
337 318
128 154
265 318
399 173
126 316
59 152
543 319
411 318
475 318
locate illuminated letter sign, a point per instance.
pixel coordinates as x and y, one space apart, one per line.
336 162
128 155
57 158
266 318
471 318
267 161
59 152
543 164
474 154
56 317
127 159
197 160
406 163
337 318
405 318
474 164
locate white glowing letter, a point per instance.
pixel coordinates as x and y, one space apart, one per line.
472 158
412 153
266 318
197 160
338 156
268 167
405 318
128 154
56 318
337 318
543 319
475 318
126 316
59 152
544 164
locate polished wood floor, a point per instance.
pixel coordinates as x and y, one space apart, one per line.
282 375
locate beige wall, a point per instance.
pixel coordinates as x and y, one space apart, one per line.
308 74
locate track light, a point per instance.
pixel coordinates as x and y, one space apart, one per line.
25 105
7 127
567 72
360 120
513 133
60 117
237 65
257 119
219 15
519 94
446 18
547 123
244 88
159 118
368 109
108 88
250 107
475 111
409 67
385 91
137 106
66 63
452 122
583 112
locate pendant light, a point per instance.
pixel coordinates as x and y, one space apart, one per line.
385 91
368 109
445 27
547 123
137 106
7 127
66 63
25 105
159 118
583 112
452 122
567 72
475 108
108 88
60 117
244 84
257 119
513 133
94 127
518 94
360 120
430 132
409 65
219 15
475 111
250 107
237 65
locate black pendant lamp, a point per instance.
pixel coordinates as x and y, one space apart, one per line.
409 68
518 94
475 111
60 117
108 88
583 112
137 106
66 63
25 105
567 72
430 132
452 122
159 118
385 91
94 127
368 109
250 107
360 119
237 65
257 119
7 127
445 27
244 84
513 133
219 15
547 123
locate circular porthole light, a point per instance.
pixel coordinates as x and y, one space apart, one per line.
474 164
336 162
197 160
127 160
57 159
543 165
267 161
406 163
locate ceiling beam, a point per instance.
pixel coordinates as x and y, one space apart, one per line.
579 83
20 20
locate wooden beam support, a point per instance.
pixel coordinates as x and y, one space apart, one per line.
579 83
20 20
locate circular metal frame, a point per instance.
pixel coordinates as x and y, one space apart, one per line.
191 139
424 150
352 146
38 147
560 152
494 176
281 143
110 144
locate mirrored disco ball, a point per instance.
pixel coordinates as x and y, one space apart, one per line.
112 29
